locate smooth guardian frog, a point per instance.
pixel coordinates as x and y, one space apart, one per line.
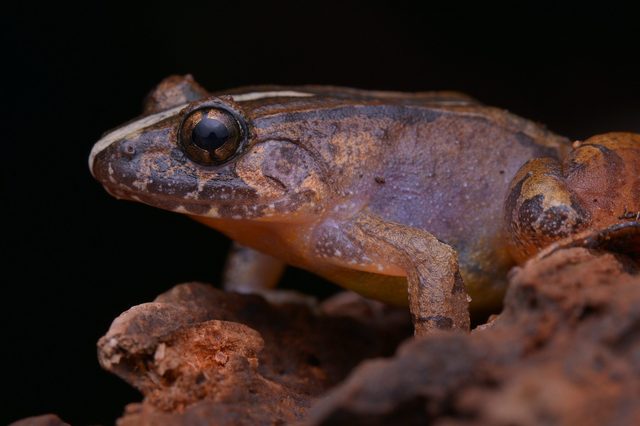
397 196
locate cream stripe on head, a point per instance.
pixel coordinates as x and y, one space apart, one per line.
274 94
129 129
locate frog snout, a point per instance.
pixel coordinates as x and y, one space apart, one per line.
104 159
112 165
128 149
134 138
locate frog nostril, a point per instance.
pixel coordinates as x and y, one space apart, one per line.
128 149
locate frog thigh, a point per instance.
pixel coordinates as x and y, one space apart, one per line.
250 271
592 193
437 296
541 208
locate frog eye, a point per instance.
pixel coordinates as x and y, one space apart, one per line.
210 136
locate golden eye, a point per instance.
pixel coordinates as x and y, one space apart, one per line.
210 136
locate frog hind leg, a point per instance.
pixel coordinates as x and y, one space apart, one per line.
250 271
437 295
541 208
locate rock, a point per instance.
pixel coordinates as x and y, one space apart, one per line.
203 356
565 351
43 420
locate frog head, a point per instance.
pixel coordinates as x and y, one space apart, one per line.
227 156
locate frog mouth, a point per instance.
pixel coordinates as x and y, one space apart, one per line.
214 208
163 201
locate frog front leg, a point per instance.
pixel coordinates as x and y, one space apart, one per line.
437 296
250 271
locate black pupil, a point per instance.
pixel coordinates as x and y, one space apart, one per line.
210 134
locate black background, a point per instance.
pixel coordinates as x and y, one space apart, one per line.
74 258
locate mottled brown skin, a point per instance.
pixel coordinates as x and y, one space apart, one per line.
591 198
172 91
372 190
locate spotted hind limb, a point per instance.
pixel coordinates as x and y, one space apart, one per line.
437 295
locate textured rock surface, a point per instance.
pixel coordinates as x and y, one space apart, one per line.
200 354
565 351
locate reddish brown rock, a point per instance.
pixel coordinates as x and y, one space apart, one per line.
565 351
43 420
200 355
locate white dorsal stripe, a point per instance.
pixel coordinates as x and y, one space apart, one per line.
129 129
274 94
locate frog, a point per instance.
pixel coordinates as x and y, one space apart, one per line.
396 196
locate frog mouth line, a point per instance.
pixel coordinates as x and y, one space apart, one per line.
208 207
126 193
